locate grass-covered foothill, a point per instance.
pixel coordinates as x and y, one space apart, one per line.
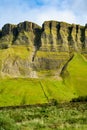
22 91
66 116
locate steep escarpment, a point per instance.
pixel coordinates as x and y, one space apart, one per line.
25 33
63 36
53 35
28 50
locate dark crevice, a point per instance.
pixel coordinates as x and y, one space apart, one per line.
58 34
50 26
15 34
58 29
0 33
51 35
77 29
37 40
70 35
82 39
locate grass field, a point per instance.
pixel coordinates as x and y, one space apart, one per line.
32 91
67 116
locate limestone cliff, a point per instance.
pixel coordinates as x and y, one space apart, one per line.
63 36
28 50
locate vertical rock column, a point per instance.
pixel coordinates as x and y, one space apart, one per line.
78 37
63 37
54 36
86 37
45 37
73 40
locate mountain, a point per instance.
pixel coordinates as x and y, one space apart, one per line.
30 50
52 57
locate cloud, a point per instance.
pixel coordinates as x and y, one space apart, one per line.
38 11
54 14
79 5
79 8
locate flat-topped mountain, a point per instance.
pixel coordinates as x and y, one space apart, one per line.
33 51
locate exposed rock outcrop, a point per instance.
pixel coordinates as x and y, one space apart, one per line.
63 36
7 29
57 36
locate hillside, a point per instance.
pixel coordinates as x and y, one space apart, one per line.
38 64
22 91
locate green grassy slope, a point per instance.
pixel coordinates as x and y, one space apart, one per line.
32 91
17 51
19 91
77 75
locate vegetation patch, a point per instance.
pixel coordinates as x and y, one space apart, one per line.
66 116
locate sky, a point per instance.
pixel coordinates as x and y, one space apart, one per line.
38 11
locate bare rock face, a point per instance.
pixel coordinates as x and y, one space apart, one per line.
48 48
27 26
49 36
57 36
62 36
85 43
17 67
7 29
6 36
27 33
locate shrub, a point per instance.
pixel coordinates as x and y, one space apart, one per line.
18 116
6 123
54 102
80 99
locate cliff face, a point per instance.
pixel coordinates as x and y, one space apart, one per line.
32 51
58 36
63 36
22 34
